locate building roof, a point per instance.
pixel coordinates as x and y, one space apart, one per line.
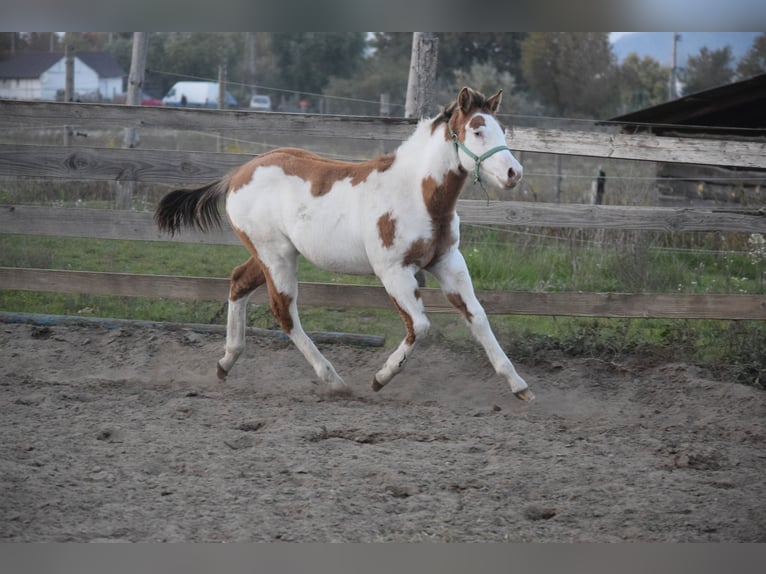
33 64
103 63
28 65
738 109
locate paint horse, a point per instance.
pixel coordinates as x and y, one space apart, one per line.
391 216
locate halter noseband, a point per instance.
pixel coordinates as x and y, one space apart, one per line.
476 158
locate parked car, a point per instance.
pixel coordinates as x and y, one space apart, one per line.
261 103
149 100
146 99
196 95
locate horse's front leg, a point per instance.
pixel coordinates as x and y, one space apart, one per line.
455 281
402 288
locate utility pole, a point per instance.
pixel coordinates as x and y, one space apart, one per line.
672 92
68 86
69 73
425 47
125 189
222 86
425 50
136 81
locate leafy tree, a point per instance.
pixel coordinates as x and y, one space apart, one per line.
754 62
708 69
643 83
573 73
461 50
28 42
307 60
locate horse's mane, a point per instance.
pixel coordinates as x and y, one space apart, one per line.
478 101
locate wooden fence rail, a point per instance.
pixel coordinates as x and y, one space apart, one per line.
182 168
135 225
606 143
644 305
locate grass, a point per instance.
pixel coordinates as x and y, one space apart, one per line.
498 260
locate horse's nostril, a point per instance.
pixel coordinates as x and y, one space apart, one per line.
511 173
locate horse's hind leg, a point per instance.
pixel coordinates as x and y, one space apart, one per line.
244 280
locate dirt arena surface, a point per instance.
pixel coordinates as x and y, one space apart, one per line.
124 435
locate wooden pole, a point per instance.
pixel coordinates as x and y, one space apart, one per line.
69 71
222 86
221 99
68 86
423 60
136 81
126 189
385 105
600 187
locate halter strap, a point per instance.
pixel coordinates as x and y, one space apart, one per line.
476 158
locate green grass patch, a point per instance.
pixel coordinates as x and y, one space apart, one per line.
497 261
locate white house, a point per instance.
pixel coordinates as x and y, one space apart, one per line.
42 76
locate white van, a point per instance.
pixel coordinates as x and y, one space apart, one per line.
196 95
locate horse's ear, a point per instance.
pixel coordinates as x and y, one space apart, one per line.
494 102
465 99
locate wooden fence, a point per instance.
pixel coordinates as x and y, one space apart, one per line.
183 168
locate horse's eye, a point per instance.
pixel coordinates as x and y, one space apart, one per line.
477 133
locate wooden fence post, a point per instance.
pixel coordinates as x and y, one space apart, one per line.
420 82
126 189
600 184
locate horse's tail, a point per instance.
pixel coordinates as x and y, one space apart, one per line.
191 208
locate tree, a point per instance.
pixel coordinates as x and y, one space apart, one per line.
708 69
754 62
383 70
573 73
461 50
643 83
307 60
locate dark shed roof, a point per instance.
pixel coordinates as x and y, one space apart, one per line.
33 64
28 65
723 110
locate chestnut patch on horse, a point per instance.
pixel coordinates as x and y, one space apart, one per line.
440 200
246 278
476 122
459 304
408 324
321 172
279 303
387 229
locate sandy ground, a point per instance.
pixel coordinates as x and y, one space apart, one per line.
124 435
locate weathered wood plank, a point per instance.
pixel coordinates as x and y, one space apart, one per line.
99 224
583 216
644 305
42 115
140 165
640 147
131 225
603 143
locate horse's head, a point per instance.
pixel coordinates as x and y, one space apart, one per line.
480 139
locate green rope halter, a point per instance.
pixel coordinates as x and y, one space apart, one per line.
476 158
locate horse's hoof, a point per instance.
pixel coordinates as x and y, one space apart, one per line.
221 373
525 395
376 386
